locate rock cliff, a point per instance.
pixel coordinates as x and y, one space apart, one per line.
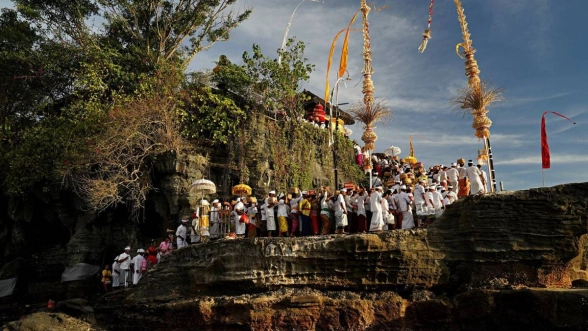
46 231
471 270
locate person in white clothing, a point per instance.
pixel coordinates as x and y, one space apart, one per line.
453 176
341 212
136 263
116 274
325 214
361 213
395 208
438 201
377 222
420 202
477 182
485 176
194 230
125 267
271 216
214 220
263 225
396 186
182 233
441 195
430 205
240 227
442 173
445 199
405 206
387 217
451 195
293 218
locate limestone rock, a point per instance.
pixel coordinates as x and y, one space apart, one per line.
49 321
396 280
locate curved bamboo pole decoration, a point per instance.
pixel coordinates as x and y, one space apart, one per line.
427 33
472 70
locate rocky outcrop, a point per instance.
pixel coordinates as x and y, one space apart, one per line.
308 309
49 321
511 241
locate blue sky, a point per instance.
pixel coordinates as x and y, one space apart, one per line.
534 49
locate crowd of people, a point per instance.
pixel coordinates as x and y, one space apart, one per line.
126 271
403 196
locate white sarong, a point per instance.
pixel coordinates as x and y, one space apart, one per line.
407 220
377 222
181 243
271 221
341 220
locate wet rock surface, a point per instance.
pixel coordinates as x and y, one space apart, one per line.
496 262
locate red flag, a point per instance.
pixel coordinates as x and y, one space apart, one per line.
545 155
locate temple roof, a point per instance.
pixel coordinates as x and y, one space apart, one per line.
314 99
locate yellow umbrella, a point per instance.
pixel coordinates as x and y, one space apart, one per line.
241 190
411 159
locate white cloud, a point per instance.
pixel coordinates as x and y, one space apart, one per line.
536 159
519 101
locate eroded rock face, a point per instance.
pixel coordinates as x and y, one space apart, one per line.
308 309
528 238
43 234
358 262
535 237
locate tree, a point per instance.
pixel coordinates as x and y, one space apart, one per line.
35 73
100 105
279 84
115 167
62 20
208 117
166 30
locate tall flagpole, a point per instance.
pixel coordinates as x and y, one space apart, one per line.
285 39
336 92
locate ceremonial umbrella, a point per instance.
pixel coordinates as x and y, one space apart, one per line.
411 159
241 190
202 187
392 151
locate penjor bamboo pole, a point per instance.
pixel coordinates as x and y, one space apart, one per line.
491 174
481 121
368 85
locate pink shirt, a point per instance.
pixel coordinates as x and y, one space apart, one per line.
165 247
